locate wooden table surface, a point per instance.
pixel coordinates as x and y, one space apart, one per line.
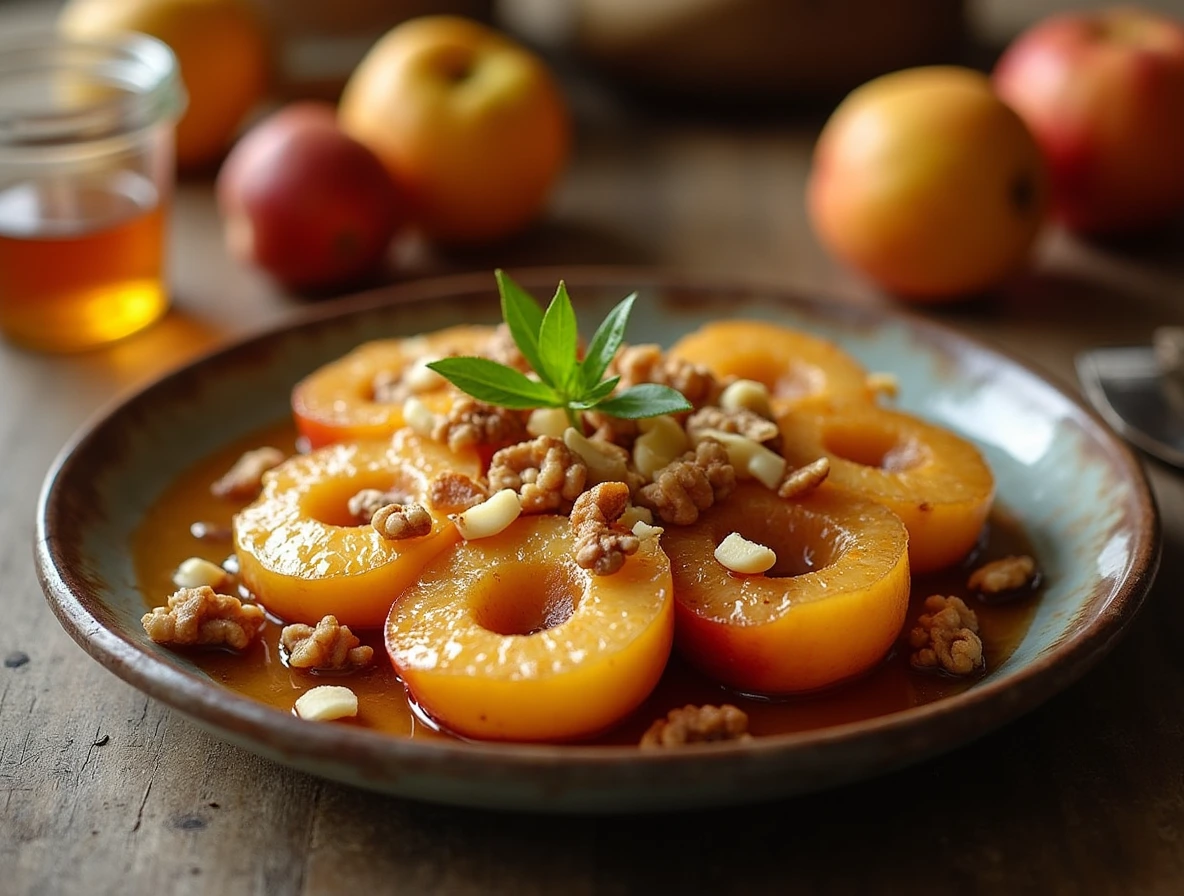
105 791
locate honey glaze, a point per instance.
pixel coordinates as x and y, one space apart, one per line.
167 536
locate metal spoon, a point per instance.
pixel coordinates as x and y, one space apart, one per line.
1139 390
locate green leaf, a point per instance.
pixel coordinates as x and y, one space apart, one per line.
496 384
524 317
559 343
605 342
645 400
589 398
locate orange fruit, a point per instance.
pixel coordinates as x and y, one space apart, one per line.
222 50
472 127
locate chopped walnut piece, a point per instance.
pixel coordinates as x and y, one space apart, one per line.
469 423
397 521
697 725
451 492
739 420
646 364
201 616
607 428
805 479
687 486
946 637
546 474
600 547
330 647
366 503
1004 576
502 348
245 478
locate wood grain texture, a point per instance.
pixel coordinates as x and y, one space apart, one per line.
105 792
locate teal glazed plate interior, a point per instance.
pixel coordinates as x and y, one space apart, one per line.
1077 490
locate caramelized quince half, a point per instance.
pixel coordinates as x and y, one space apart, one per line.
338 401
303 554
830 608
506 638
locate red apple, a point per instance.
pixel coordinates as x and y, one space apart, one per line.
305 201
1103 93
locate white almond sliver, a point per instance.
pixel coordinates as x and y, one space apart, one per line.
547 422
747 395
326 703
195 572
739 554
421 378
418 416
644 530
750 458
489 517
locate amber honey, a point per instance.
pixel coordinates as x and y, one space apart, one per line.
164 539
80 263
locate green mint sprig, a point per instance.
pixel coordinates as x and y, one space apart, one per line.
549 341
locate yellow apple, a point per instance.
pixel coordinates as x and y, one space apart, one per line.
927 183
472 127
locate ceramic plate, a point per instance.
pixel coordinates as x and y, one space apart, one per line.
1080 494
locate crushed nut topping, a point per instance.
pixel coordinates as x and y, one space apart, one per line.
739 420
682 489
546 474
397 521
502 348
201 616
329 647
245 478
607 428
600 547
805 479
469 423
697 725
647 364
1009 574
366 503
388 387
946 637
451 492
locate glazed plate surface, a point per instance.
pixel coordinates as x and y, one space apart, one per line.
1076 489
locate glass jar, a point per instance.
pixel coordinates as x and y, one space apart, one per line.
86 178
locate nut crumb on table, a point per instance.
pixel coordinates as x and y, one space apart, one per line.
1008 574
697 725
946 637
245 478
201 616
327 647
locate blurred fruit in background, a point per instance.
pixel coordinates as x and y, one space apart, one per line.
1103 92
472 127
305 202
928 183
222 49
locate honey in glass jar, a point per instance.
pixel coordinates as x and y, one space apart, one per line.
86 175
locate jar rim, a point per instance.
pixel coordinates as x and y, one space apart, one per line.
140 73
